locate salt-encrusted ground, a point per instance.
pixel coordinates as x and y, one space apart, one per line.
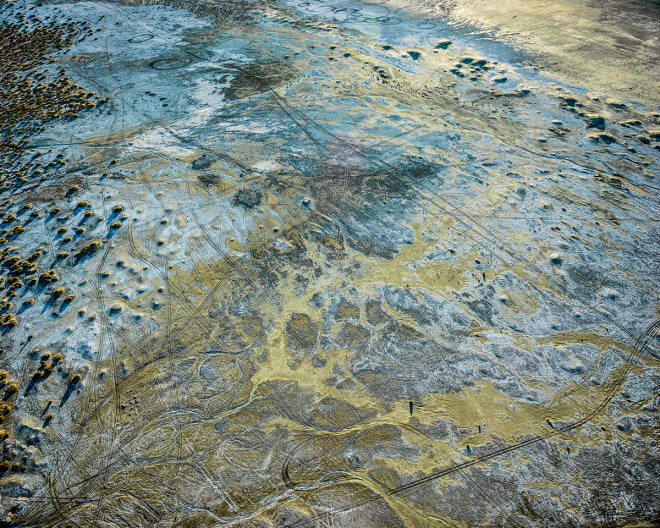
296 265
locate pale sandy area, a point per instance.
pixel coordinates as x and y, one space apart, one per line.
611 48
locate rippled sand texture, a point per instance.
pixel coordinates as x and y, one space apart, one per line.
307 264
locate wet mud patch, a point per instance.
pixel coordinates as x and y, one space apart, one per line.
260 76
209 179
247 198
369 204
203 162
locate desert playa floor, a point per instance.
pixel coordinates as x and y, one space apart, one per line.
307 264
